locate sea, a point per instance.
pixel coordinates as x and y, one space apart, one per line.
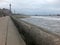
51 23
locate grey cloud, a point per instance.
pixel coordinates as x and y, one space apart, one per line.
34 6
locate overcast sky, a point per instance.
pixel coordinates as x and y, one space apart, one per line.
33 6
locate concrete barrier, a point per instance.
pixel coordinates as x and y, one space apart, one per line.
34 35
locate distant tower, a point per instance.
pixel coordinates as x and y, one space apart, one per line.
10 7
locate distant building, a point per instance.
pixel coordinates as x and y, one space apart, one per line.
5 12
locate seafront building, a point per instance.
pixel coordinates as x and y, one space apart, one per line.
4 12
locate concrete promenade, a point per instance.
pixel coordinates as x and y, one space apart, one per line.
8 33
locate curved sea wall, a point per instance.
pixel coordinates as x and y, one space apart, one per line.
34 35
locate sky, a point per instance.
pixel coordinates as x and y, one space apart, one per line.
33 7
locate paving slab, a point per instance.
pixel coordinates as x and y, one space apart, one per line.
13 37
8 33
3 30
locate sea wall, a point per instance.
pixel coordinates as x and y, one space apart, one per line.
34 35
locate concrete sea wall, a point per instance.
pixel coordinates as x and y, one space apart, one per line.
34 35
